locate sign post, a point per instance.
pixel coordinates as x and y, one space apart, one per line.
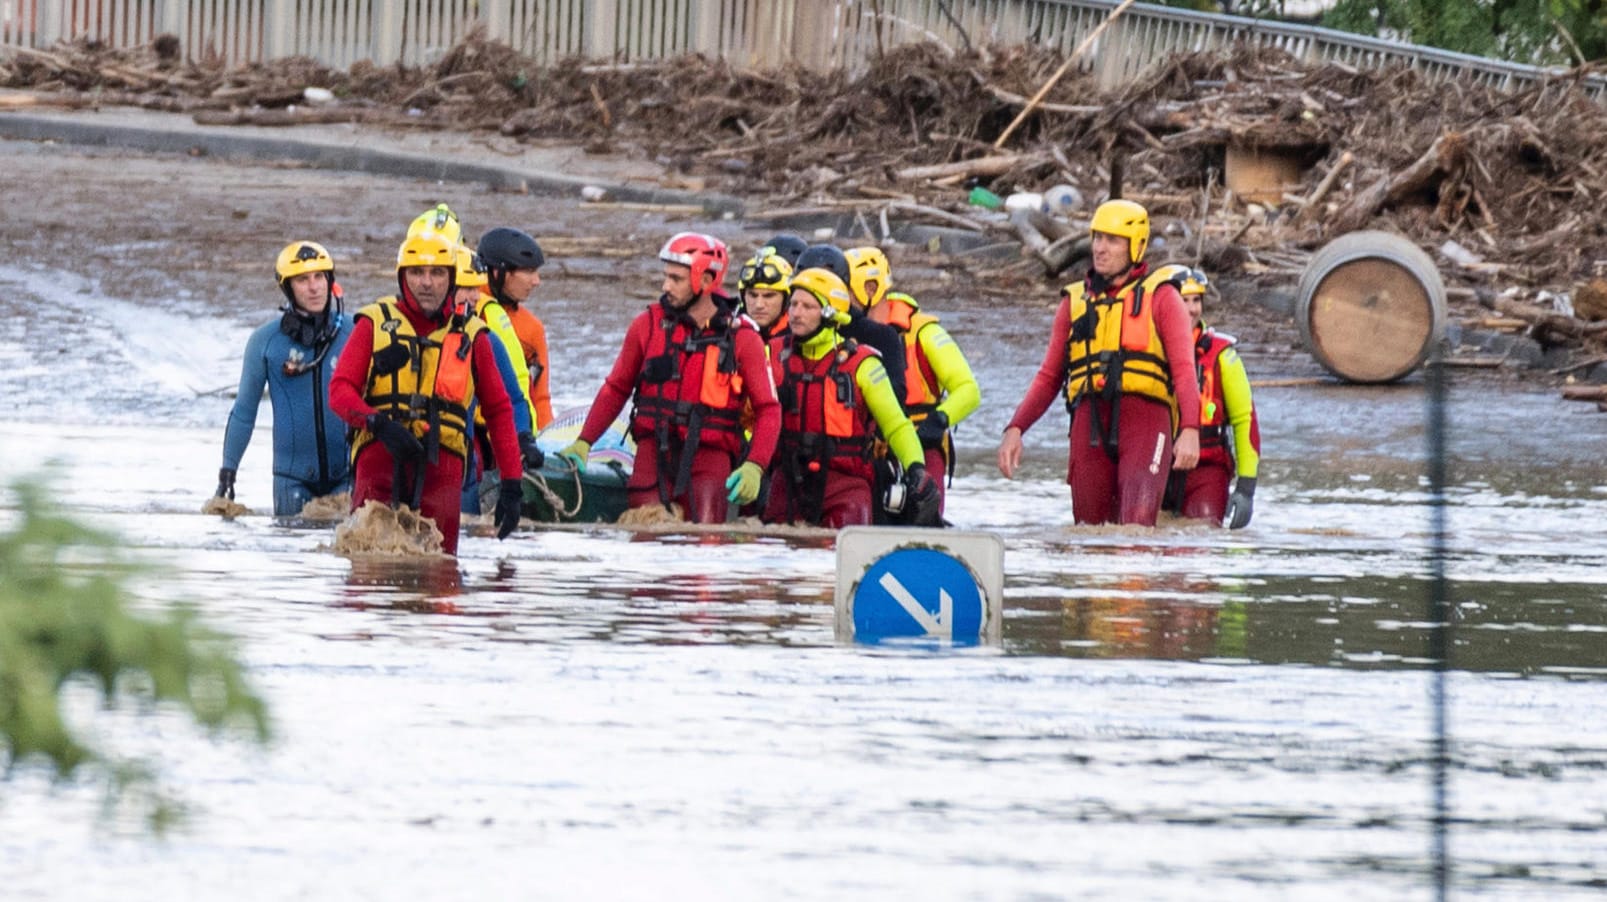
922 584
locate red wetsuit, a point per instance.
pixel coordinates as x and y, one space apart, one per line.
667 410
443 480
1131 488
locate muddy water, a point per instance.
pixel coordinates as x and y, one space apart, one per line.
1178 713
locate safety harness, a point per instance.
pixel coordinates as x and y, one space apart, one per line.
1113 349
831 429
677 423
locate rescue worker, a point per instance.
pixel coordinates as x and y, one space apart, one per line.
690 363
762 286
411 370
1119 349
835 397
762 289
470 289
294 356
469 298
1225 407
939 388
440 220
512 259
788 247
876 335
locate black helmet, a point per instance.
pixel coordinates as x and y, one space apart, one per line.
824 256
787 247
502 249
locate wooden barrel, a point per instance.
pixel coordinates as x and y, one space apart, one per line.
1371 306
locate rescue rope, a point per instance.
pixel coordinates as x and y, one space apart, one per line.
554 500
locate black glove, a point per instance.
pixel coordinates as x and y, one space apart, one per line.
931 430
1083 328
1242 504
398 439
534 456
509 498
922 503
226 483
658 370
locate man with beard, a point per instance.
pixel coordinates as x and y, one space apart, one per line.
689 364
414 365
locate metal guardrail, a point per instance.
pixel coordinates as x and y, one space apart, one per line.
759 33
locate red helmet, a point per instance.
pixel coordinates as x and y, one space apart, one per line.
700 253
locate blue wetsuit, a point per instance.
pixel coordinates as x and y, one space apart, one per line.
310 454
521 422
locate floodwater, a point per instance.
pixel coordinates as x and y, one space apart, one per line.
1178 713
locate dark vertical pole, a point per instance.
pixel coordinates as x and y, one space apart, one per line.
1439 615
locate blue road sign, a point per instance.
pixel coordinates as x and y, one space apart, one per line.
919 593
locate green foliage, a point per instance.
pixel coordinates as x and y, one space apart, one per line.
65 618
1545 32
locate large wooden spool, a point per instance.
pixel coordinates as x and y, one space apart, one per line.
1371 307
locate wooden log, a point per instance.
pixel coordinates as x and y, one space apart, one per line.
1584 392
1585 364
13 100
1069 109
1500 323
1060 72
994 165
1327 183
935 213
1065 252
1442 157
279 117
1545 326
1031 238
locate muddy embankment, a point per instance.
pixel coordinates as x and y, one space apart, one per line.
1249 161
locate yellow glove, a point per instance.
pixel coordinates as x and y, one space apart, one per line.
744 483
576 453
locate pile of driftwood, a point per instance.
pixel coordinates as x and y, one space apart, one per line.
1505 190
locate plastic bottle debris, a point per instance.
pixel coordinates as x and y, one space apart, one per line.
1062 200
982 197
1023 201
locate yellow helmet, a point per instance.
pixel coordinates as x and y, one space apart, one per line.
301 257
427 249
827 289
1187 279
765 270
440 220
867 264
470 272
1127 219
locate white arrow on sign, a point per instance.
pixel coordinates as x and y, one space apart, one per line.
941 627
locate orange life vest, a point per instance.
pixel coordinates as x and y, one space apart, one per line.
922 391
1208 348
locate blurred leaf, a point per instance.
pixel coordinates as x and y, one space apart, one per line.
65 616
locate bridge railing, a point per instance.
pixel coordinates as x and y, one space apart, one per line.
752 33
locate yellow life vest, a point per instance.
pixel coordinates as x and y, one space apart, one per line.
1113 337
426 383
922 391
